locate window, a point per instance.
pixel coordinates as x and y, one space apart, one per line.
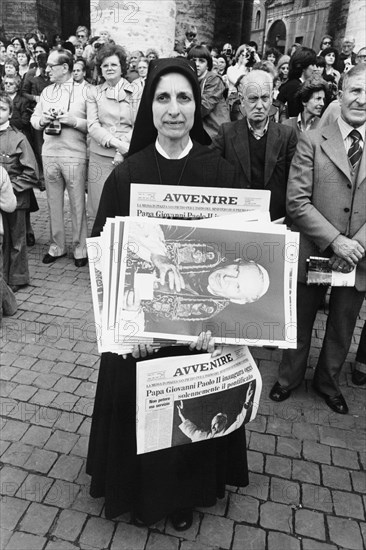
258 20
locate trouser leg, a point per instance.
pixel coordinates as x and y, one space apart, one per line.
344 306
16 270
55 187
294 361
74 173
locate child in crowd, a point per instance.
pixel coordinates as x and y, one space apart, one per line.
17 157
8 203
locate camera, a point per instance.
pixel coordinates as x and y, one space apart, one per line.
53 128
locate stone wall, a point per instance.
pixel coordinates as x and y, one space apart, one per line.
137 25
356 22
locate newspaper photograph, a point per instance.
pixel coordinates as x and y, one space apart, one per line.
195 397
234 283
170 201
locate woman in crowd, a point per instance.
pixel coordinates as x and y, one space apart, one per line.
11 66
301 67
111 112
23 59
151 54
326 42
312 94
272 55
168 482
10 51
222 66
79 49
142 68
18 44
331 60
282 68
234 71
320 66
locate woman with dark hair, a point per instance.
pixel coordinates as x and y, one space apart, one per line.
313 95
111 113
167 147
18 44
331 60
23 58
214 108
320 66
301 67
273 55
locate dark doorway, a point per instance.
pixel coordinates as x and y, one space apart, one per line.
74 14
276 37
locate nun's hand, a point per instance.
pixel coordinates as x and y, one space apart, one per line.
206 342
142 350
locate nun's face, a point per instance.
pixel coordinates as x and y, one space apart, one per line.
173 108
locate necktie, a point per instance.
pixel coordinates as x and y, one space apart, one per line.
355 151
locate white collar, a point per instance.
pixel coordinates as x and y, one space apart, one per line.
183 154
4 126
346 128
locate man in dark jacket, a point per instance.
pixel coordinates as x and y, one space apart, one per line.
260 150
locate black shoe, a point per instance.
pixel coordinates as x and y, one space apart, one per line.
182 519
279 393
80 262
31 241
358 378
48 259
337 403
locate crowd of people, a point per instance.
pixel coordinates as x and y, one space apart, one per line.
86 116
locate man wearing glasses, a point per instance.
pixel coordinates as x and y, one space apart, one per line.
61 113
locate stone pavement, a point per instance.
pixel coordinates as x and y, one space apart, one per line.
307 464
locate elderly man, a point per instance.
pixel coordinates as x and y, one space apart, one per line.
326 199
61 113
347 53
260 150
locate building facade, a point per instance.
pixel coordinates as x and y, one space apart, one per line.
140 24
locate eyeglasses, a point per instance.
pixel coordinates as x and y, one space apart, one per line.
327 43
81 35
49 66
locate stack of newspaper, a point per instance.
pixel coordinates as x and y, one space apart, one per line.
193 259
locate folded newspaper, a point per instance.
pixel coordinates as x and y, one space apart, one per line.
162 282
319 272
194 397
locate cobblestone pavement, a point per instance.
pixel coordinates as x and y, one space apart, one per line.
307 464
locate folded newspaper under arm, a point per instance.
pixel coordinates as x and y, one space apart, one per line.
195 397
319 272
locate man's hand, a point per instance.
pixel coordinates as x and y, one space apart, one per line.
348 249
206 342
67 119
338 264
46 118
168 272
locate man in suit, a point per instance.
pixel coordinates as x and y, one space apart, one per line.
326 199
260 150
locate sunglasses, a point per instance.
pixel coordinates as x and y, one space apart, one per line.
327 43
